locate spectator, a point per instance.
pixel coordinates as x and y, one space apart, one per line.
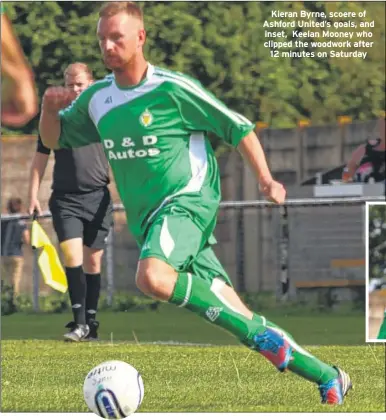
14 234
368 160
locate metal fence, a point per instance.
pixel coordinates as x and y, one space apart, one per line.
304 245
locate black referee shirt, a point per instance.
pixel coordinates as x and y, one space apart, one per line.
82 169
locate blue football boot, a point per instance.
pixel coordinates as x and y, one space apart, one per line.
334 391
275 347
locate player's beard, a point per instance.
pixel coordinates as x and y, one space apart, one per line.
112 64
117 64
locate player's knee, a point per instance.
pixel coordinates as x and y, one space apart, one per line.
71 259
91 267
156 278
154 283
72 252
92 263
148 281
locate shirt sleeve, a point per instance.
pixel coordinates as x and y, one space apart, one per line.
202 111
40 148
77 128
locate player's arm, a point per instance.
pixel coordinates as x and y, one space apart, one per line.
38 168
65 121
26 236
352 164
202 111
19 99
54 100
252 151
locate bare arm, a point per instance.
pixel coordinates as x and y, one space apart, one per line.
54 99
38 167
19 99
352 164
12 57
253 153
26 237
49 128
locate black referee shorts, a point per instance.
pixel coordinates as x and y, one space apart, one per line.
82 215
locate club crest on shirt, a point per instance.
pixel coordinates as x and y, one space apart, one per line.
146 118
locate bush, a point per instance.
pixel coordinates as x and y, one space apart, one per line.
24 303
59 303
124 302
7 300
128 302
55 303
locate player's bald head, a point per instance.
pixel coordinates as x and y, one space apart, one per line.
121 34
129 8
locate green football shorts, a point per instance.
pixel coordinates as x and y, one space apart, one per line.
173 237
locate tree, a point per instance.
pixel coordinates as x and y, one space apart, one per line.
221 44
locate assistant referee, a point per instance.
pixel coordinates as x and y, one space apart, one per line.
81 210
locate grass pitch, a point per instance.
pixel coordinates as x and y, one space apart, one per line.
42 373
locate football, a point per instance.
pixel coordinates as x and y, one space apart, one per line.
113 389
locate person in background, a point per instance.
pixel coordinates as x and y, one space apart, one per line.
368 161
14 234
19 103
81 210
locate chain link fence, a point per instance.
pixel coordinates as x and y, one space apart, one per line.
295 251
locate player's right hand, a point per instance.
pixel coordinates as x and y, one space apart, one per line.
57 98
34 205
274 191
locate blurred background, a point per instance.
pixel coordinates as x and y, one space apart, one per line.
376 268
377 241
311 114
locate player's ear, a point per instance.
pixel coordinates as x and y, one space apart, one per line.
141 38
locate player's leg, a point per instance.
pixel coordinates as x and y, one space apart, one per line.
12 271
173 243
92 269
69 230
72 250
382 329
6 272
18 262
377 314
206 266
7 269
94 238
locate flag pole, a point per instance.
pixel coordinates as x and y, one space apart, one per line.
35 274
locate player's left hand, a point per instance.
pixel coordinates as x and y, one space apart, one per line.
19 102
274 191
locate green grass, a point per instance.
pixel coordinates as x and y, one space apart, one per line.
42 373
173 324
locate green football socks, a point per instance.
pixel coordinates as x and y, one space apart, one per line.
206 300
198 296
382 330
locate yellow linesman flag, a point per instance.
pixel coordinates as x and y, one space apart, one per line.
48 260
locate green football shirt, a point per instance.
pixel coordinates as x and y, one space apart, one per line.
155 137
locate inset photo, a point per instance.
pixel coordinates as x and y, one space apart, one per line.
376 272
